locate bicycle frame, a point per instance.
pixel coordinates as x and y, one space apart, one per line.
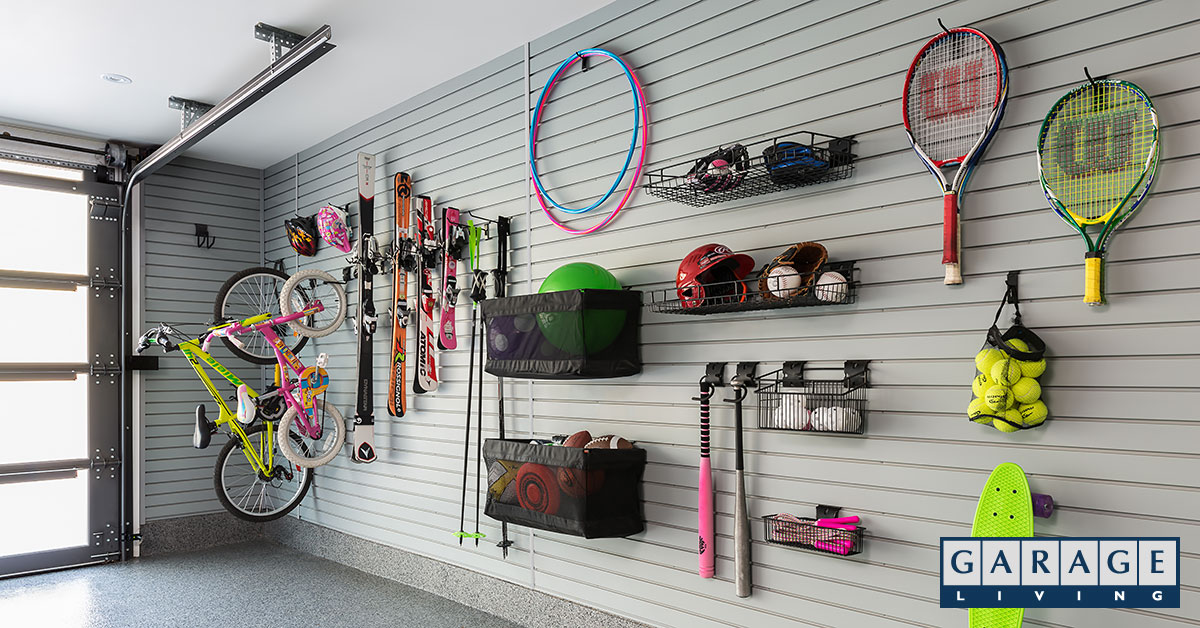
197 354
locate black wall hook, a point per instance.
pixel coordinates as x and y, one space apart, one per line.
1088 75
943 26
203 240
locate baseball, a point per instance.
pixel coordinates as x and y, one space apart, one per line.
783 281
831 287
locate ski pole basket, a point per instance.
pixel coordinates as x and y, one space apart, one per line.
591 493
801 532
834 283
799 159
571 334
790 399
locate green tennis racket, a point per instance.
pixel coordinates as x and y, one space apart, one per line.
1097 156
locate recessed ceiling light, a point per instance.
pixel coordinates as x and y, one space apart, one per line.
119 79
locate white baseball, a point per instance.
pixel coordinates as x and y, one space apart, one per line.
831 287
823 419
783 281
794 415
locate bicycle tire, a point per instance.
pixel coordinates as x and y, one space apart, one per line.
223 490
305 458
292 297
239 298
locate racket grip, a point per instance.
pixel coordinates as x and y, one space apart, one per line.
838 520
708 555
950 237
830 547
1091 275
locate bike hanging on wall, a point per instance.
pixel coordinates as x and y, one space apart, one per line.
291 415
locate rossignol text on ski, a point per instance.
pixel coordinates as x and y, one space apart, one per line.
403 260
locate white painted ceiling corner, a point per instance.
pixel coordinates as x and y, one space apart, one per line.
386 53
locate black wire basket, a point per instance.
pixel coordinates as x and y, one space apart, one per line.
799 159
803 533
817 288
789 399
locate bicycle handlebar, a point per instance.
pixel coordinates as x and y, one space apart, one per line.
158 336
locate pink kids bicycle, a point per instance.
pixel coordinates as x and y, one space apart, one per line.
291 414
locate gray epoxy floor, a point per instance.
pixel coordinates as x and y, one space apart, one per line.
257 584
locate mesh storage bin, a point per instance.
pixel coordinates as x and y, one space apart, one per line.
572 334
802 532
591 493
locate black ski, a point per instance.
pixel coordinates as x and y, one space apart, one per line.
364 411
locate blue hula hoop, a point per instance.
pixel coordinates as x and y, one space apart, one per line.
537 181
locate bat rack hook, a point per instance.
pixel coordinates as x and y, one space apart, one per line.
943 26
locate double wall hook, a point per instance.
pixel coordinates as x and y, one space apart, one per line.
203 239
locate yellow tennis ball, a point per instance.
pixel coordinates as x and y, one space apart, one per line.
998 397
1018 344
1011 422
978 412
1027 390
1006 371
1033 414
981 384
1032 369
986 358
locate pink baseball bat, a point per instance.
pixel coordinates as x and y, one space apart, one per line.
708 553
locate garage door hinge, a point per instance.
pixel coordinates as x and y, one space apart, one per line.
106 539
104 208
101 367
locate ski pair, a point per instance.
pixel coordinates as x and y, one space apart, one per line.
441 334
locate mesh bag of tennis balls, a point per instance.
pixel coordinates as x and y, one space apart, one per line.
1006 392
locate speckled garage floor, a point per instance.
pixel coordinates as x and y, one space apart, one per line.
257 584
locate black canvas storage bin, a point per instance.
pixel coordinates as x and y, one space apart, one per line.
572 334
591 493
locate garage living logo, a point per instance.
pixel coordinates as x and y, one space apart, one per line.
1060 573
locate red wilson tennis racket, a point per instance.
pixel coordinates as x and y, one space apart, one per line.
954 98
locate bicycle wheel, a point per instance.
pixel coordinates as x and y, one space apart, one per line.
249 293
308 286
305 450
247 494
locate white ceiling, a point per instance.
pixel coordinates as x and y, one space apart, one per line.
387 51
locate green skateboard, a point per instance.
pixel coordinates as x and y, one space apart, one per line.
1006 509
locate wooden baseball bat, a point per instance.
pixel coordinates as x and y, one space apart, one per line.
741 530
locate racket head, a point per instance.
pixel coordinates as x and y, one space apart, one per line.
1097 151
953 92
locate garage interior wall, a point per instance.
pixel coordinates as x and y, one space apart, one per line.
1119 454
181 282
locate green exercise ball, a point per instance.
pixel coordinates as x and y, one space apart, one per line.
595 330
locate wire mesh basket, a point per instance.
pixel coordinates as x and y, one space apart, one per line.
799 159
788 399
834 283
804 533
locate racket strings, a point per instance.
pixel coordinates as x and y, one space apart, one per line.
1097 149
951 96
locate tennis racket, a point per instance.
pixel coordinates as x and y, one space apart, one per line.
1097 156
708 552
954 97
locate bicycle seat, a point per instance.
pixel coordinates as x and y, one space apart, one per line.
202 434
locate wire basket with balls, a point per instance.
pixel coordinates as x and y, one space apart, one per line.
588 486
793 399
713 279
1006 391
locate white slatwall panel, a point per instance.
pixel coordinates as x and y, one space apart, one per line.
1121 455
181 283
